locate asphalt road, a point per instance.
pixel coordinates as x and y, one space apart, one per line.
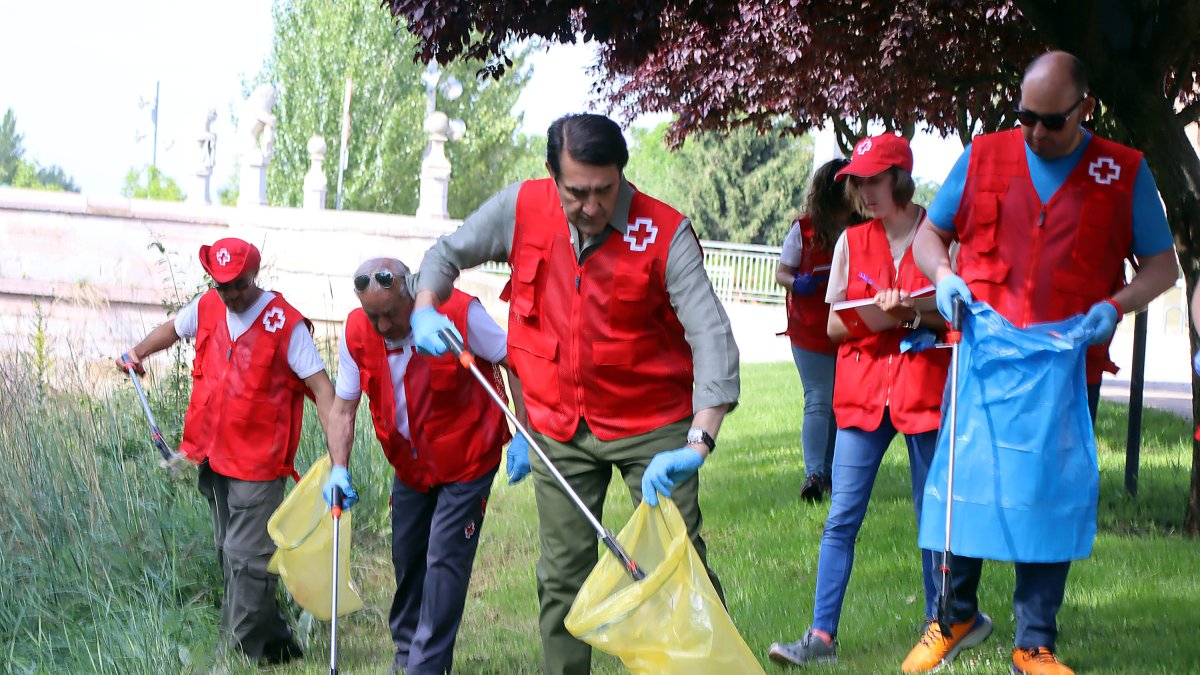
1172 397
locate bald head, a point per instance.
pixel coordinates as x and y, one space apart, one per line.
382 289
1058 69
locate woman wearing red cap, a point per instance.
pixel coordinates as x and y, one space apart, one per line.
804 270
879 391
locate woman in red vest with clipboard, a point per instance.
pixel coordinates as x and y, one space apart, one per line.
879 391
804 271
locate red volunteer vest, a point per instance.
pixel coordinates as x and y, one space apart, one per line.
808 315
457 430
247 405
597 340
872 374
1037 262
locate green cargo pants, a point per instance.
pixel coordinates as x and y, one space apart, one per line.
569 543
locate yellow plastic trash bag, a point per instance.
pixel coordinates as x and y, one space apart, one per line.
303 530
670 622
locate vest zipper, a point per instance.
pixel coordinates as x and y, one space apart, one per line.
575 302
1034 263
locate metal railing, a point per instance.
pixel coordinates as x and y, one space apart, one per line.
739 272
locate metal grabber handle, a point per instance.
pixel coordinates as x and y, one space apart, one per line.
336 510
954 338
468 361
171 460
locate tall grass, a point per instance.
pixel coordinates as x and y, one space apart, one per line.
107 565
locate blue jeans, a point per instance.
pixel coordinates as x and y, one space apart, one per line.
855 465
818 429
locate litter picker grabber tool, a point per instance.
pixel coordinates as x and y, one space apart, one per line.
954 338
336 510
171 460
468 361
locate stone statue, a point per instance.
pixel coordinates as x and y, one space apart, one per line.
256 128
207 142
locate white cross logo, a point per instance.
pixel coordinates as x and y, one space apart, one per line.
638 238
223 257
273 320
1104 170
863 147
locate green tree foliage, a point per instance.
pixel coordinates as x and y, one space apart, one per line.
150 183
316 46
743 187
926 190
16 171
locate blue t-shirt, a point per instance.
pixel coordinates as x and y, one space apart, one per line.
1151 234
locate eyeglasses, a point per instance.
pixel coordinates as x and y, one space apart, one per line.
235 285
384 278
1028 118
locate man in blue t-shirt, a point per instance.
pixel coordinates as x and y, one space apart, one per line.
1045 216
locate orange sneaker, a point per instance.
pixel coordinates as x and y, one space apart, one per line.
936 650
1038 661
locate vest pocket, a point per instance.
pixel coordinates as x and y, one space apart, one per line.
628 307
254 426
623 352
523 300
534 357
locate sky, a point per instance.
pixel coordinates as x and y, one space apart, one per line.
74 72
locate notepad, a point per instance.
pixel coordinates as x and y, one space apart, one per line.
863 317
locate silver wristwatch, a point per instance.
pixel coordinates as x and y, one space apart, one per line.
698 435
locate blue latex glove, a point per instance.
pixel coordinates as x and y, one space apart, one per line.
950 287
918 341
340 477
668 468
1196 362
1099 323
807 284
518 460
425 324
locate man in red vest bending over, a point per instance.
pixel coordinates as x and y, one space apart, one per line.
255 359
1045 214
626 356
442 432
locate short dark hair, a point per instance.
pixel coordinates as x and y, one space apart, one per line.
590 139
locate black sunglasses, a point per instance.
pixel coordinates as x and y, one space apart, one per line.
384 278
1028 118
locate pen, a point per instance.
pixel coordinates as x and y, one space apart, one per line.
870 281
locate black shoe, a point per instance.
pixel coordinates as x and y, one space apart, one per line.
282 652
811 492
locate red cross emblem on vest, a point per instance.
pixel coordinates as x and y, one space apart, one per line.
1104 170
640 234
273 320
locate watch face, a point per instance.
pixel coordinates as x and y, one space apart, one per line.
695 436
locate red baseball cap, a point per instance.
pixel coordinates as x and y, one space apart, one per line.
876 154
227 258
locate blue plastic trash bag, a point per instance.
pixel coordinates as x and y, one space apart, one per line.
1026 480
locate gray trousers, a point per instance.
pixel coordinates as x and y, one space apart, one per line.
249 613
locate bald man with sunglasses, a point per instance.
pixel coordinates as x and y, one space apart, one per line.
255 361
442 433
1046 215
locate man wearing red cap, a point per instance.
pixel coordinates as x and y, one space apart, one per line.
255 360
1046 216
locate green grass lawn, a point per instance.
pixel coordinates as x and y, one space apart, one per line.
111 569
